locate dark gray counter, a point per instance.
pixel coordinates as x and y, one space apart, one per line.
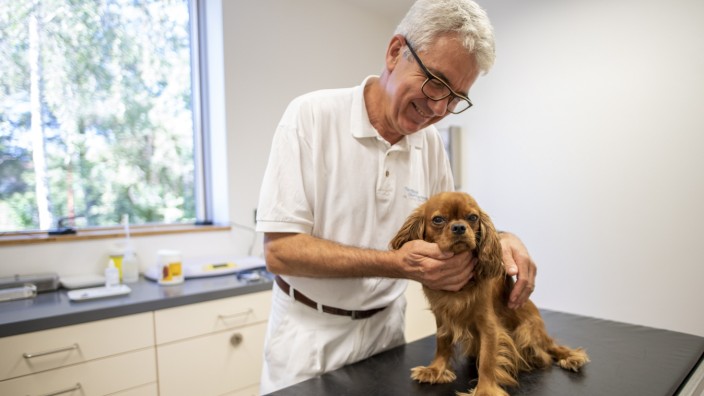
625 360
54 309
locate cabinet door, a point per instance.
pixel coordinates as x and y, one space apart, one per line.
144 390
192 320
213 364
251 391
49 349
99 377
420 321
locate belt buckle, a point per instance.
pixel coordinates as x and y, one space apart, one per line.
355 315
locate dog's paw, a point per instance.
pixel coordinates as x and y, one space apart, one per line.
574 361
496 391
432 375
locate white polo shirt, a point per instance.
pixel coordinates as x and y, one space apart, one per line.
331 175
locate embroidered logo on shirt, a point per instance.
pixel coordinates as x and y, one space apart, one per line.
414 195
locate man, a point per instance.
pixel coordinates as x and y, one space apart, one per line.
347 166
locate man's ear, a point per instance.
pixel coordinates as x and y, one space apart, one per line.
394 52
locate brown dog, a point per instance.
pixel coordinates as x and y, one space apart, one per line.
504 341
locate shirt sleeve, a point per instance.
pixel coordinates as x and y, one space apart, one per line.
283 202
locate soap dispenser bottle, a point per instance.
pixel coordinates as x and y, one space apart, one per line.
112 275
130 265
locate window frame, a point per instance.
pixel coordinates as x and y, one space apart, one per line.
201 126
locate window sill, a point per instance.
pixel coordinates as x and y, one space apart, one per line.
105 233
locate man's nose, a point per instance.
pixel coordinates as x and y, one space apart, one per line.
439 107
458 229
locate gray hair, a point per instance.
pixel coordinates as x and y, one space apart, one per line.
427 19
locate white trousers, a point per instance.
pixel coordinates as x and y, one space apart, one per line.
302 343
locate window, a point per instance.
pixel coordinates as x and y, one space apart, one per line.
100 113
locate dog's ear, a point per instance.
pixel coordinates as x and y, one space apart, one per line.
412 229
489 255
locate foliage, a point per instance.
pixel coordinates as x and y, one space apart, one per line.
114 91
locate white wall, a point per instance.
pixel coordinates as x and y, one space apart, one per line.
587 141
276 50
91 256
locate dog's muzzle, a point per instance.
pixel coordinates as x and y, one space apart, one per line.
458 229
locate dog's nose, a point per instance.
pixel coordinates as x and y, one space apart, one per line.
459 229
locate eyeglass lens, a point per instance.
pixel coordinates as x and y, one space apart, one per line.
437 90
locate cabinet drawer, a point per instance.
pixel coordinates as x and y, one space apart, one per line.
212 316
144 390
49 349
213 364
251 391
98 377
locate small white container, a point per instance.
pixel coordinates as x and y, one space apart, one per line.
130 267
112 274
170 269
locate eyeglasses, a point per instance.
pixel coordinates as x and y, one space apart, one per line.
436 89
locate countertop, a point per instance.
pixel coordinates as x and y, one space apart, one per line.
54 309
625 360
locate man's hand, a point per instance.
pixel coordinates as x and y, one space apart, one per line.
425 263
517 262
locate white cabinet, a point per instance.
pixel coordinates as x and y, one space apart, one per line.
144 390
97 358
212 348
98 377
420 321
251 391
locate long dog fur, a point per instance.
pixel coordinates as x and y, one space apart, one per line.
504 341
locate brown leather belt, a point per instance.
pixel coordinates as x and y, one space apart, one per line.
300 297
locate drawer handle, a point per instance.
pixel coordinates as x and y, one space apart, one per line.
236 315
64 349
236 339
68 390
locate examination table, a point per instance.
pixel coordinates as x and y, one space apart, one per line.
625 360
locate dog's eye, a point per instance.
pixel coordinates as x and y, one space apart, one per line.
472 218
438 220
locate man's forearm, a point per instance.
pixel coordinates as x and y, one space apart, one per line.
305 255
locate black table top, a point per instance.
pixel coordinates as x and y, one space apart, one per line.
625 360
